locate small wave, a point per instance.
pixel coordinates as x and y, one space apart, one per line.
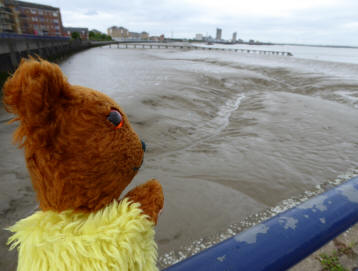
225 111
349 97
211 128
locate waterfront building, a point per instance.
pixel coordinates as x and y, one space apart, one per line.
144 35
154 38
122 33
38 19
83 32
134 36
218 33
157 38
118 32
9 21
234 37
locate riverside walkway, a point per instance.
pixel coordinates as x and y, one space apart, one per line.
125 45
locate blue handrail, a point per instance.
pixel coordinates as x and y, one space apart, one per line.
284 240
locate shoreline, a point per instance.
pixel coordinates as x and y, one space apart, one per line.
196 246
19 206
177 149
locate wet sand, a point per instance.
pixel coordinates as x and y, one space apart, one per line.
17 199
228 136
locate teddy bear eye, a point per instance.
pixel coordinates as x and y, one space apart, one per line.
115 118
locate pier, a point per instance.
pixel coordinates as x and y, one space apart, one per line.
14 47
131 45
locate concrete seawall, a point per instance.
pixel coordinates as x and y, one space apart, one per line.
12 49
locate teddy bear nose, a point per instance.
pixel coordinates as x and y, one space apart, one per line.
144 147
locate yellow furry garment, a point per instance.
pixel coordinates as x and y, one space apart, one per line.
117 237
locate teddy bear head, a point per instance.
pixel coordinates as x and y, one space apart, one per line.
80 148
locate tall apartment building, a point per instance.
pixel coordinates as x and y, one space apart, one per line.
39 19
9 22
234 37
218 33
30 18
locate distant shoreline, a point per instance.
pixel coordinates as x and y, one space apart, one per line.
312 45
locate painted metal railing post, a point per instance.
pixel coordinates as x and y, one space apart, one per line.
284 240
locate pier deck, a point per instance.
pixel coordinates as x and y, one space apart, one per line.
123 45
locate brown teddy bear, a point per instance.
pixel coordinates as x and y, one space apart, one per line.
81 153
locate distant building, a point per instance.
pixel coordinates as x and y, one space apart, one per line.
118 32
83 32
30 18
234 37
199 36
218 33
144 35
157 38
154 38
208 38
134 35
123 34
38 19
9 21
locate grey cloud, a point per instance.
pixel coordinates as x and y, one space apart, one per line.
324 25
91 12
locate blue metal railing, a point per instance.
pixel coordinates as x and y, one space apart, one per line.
284 240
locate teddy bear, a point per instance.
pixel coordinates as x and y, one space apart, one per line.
81 153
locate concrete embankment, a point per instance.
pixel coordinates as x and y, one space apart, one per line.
12 49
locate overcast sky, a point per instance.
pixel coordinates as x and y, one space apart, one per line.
333 22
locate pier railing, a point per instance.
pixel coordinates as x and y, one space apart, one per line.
126 45
284 240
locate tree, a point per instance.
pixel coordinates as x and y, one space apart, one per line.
98 36
92 35
75 35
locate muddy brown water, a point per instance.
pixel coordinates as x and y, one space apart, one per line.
228 134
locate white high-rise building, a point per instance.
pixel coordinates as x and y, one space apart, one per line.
234 37
218 33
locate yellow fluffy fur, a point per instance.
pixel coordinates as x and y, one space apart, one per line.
117 237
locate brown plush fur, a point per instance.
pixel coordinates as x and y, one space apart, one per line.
76 159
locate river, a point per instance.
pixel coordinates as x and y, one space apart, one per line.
229 135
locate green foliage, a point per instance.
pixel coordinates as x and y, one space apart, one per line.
331 263
75 35
98 36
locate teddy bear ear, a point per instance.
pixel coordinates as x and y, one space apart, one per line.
33 90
